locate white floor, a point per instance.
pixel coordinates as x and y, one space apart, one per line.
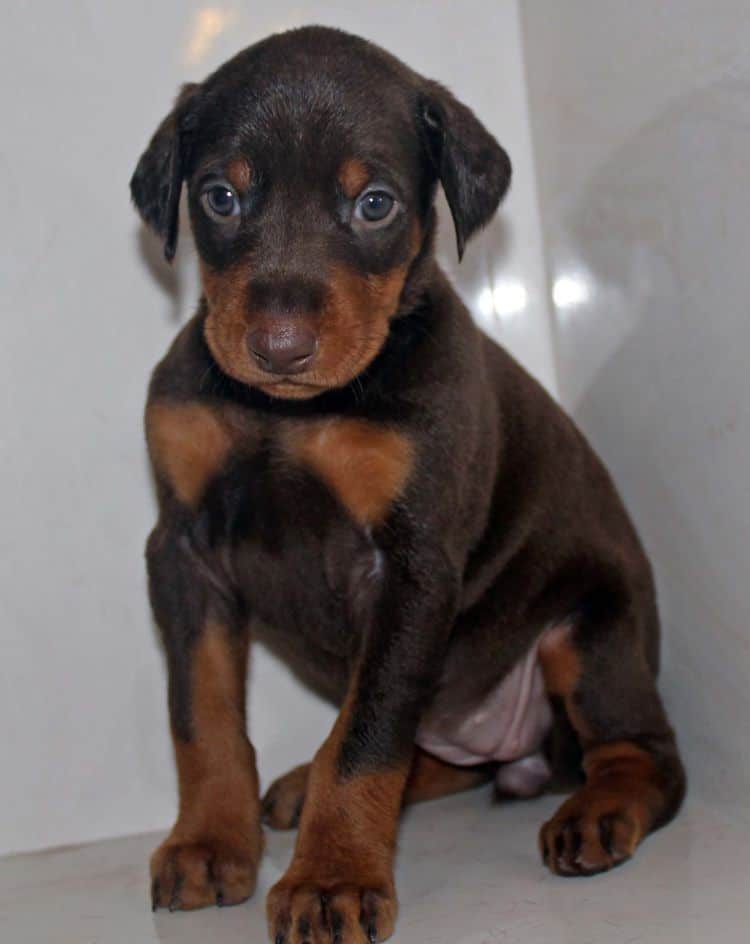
468 874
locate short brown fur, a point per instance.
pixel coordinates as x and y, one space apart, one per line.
353 177
623 767
212 853
188 444
352 326
226 321
601 825
365 465
239 173
344 851
429 779
561 665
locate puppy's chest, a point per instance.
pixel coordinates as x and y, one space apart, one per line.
364 465
306 504
295 501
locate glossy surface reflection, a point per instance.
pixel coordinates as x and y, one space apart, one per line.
641 121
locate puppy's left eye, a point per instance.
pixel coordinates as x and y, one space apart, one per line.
220 202
376 207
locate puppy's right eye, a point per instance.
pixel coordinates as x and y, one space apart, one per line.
220 202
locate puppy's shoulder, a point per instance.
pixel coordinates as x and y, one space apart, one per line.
187 371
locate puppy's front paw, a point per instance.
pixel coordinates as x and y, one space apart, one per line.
306 911
195 874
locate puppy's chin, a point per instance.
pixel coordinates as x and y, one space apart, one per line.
297 387
287 389
305 387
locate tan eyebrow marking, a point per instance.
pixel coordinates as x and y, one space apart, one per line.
239 173
353 176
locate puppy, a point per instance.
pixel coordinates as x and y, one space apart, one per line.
343 458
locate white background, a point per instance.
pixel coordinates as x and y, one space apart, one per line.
87 309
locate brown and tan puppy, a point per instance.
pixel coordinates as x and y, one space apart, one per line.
343 458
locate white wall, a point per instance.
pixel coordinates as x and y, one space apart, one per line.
87 309
641 129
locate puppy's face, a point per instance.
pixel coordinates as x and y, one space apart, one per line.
311 161
306 208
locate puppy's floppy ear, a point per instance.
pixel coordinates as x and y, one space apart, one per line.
157 182
472 167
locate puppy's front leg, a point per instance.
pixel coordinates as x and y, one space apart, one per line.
211 855
339 887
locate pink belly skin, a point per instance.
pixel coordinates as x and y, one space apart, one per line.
508 725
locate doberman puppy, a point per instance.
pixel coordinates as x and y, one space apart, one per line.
341 457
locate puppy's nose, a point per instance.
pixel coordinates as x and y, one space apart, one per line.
286 349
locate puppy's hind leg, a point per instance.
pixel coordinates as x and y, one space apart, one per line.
635 781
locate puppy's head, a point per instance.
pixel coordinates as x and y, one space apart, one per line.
311 161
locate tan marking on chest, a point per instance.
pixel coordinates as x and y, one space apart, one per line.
365 465
188 444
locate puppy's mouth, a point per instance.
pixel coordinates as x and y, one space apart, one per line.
291 387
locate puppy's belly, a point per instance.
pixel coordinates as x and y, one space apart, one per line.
508 725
